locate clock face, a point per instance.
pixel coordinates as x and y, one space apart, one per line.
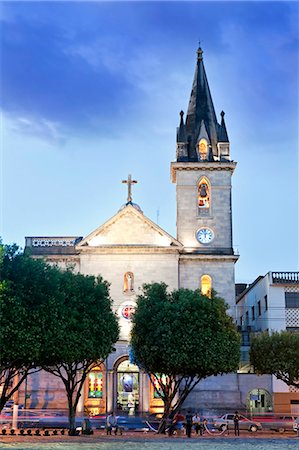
204 235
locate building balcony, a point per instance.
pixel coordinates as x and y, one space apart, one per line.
285 277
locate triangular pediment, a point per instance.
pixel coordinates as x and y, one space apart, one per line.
129 227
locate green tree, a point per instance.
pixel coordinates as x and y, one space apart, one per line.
179 338
277 354
59 321
26 287
85 331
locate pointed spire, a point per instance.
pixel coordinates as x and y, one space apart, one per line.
200 108
222 135
181 141
181 135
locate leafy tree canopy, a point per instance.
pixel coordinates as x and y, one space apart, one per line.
26 287
184 336
277 354
53 319
84 329
84 326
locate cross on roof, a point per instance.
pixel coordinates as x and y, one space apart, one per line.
129 182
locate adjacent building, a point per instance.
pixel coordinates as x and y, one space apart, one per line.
270 303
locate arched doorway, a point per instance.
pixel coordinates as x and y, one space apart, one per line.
259 401
127 383
95 388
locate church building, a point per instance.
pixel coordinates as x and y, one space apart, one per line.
130 249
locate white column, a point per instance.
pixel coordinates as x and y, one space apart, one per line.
145 393
109 391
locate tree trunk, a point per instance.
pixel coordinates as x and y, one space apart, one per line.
163 423
72 414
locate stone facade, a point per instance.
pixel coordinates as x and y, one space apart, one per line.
271 303
130 250
187 177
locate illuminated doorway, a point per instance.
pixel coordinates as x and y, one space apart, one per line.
127 387
259 401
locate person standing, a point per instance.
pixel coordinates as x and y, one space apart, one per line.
196 423
189 423
179 417
236 419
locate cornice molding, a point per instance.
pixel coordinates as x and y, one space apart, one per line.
201 257
130 249
196 166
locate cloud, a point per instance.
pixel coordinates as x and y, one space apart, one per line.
41 128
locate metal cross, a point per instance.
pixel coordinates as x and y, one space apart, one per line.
129 182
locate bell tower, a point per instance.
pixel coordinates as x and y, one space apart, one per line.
202 173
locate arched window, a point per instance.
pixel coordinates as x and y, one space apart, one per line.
95 384
203 150
206 285
128 282
203 194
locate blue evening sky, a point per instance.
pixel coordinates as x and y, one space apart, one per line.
91 91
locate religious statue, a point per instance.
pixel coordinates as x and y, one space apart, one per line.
203 195
129 282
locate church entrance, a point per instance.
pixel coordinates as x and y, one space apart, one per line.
259 401
127 387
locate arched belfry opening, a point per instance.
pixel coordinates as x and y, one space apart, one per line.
203 193
206 285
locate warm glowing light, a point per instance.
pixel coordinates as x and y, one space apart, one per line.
206 285
203 149
203 193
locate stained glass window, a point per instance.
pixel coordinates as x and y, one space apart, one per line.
158 381
95 384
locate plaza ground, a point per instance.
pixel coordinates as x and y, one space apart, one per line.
100 436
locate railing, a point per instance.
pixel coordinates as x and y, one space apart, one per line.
69 241
285 277
292 317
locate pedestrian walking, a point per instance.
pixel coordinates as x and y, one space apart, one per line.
179 417
236 419
189 423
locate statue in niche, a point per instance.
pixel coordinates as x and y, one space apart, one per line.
203 195
203 150
129 282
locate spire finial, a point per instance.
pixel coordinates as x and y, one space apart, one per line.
129 182
182 114
199 52
222 114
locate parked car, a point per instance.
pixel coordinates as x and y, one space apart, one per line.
244 424
277 423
